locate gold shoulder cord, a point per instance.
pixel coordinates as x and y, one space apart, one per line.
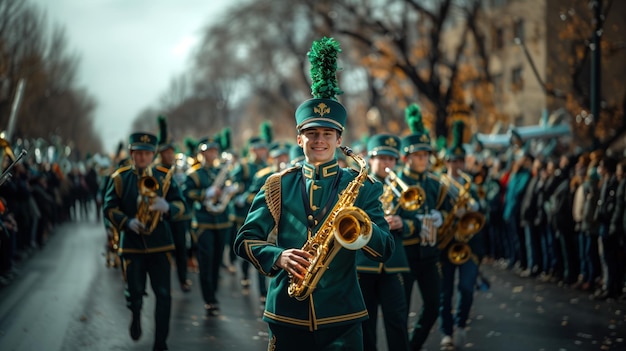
273 200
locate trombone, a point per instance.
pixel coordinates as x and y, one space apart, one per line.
410 199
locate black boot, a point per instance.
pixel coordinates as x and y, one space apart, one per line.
135 326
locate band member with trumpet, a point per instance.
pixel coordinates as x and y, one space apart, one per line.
463 245
419 225
316 202
206 189
381 282
140 201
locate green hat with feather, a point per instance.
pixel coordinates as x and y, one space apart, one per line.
164 141
419 140
456 151
323 110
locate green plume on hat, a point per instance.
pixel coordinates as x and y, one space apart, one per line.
413 116
266 132
120 147
323 59
225 139
457 133
162 129
191 145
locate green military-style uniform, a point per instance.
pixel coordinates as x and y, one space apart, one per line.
213 227
290 209
454 253
254 243
243 175
180 226
423 256
382 282
144 253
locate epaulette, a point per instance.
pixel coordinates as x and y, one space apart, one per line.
120 171
162 168
290 169
433 176
193 168
264 171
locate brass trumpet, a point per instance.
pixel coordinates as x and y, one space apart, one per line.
411 198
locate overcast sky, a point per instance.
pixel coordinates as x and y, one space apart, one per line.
129 51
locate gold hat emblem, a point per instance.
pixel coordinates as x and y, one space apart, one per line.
321 109
391 142
424 138
144 138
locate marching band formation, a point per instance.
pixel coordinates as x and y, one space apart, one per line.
330 243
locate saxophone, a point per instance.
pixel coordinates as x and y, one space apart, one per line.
217 204
345 226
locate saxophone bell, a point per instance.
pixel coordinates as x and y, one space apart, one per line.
353 228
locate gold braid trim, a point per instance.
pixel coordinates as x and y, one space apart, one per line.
273 199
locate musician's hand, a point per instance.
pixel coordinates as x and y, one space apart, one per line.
240 200
395 222
210 192
160 205
294 261
437 218
135 225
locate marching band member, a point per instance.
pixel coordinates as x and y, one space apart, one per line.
382 283
243 174
419 227
292 209
145 252
167 158
468 270
204 188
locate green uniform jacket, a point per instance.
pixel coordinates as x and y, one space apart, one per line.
120 205
243 174
337 300
397 263
437 198
200 178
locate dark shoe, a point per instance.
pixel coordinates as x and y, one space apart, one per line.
159 348
212 310
135 327
186 286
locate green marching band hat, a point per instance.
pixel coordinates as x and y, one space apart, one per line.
323 110
384 145
209 143
456 150
279 148
164 143
419 140
142 142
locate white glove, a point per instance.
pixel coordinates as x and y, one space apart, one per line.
437 218
460 212
160 205
210 192
135 225
240 200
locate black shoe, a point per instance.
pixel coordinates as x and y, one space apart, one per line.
135 327
186 286
159 348
212 310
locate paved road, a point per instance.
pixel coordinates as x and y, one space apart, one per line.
66 299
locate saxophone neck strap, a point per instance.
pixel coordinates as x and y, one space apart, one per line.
312 218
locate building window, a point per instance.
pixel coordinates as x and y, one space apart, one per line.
498 38
518 29
517 81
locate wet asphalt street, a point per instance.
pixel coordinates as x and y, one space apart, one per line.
65 298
